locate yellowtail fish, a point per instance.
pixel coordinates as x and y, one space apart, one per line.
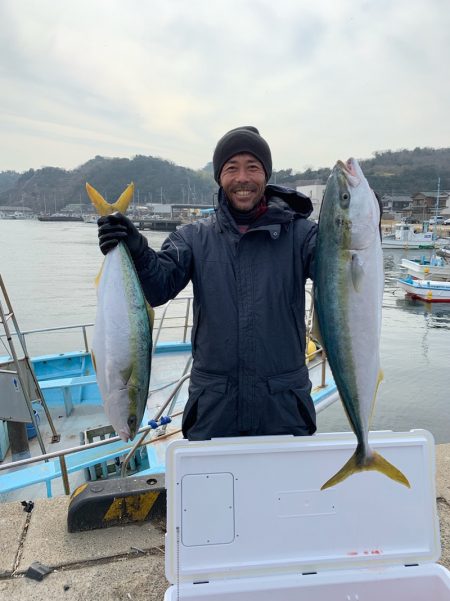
348 294
122 342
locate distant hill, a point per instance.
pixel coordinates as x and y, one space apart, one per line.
155 180
401 172
389 172
8 180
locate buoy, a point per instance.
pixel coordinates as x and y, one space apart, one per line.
310 350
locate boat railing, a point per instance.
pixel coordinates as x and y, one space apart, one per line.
165 320
143 432
319 353
23 334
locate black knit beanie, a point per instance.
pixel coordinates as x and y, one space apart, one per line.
239 140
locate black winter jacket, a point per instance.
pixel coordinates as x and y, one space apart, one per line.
248 339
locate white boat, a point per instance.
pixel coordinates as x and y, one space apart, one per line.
429 291
444 252
405 237
90 219
72 406
435 268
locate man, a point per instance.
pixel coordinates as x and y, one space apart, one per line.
248 264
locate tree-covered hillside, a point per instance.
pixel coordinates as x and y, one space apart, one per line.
400 172
50 189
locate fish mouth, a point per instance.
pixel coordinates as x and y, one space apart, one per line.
133 425
349 170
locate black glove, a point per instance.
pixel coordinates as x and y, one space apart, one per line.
116 228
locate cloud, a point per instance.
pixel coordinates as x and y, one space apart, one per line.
321 80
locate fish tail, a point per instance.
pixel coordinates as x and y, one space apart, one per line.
103 207
357 464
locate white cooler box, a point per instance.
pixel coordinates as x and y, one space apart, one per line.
247 521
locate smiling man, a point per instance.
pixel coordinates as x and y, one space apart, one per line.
248 264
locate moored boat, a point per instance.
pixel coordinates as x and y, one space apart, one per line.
60 217
405 237
429 291
435 268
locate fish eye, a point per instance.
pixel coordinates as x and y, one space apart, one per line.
345 196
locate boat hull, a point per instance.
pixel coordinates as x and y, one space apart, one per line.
59 218
401 244
426 291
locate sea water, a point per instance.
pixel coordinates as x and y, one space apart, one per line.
49 270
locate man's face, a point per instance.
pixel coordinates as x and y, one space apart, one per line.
244 180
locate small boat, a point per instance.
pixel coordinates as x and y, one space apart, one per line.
157 224
60 217
444 251
429 291
421 268
405 237
90 219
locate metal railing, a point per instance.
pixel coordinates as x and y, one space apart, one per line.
164 322
61 454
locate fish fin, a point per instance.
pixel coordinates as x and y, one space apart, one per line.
98 276
126 373
357 271
315 328
379 380
151 314
103 207
124 199
375 462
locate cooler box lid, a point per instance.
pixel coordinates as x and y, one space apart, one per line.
253 507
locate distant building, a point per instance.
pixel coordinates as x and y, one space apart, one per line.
75 209
426 204
395 206
159 208
8 211
314 189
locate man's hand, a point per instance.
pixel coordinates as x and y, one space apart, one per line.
116 228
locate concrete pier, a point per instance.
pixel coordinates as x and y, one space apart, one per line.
116 564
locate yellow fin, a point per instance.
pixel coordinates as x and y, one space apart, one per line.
375 462
98 276
356 271
103 207
126 373
151 314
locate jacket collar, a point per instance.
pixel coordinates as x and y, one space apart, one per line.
284 205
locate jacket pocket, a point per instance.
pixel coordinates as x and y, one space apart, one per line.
292 404
209 411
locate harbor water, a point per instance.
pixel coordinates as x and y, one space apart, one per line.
49 271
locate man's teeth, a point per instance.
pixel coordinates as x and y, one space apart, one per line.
243 193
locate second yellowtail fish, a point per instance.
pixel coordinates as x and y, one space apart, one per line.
348 291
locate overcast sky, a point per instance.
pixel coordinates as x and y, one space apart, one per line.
321 79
